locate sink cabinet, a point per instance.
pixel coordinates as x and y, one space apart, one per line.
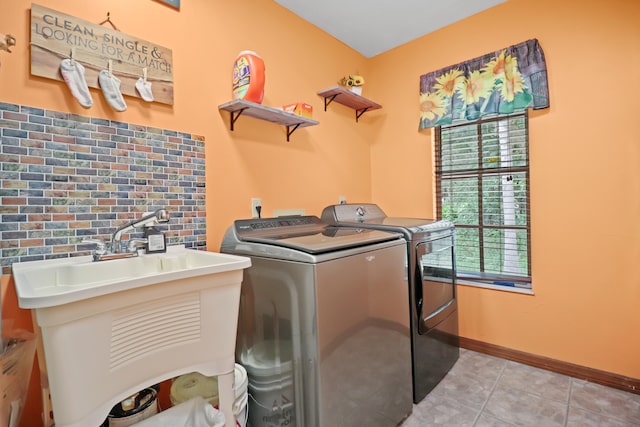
101 349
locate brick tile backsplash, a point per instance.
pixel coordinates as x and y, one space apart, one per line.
66 177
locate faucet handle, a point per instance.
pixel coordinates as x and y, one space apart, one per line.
101 247
135 243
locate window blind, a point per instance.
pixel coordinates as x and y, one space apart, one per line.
482 186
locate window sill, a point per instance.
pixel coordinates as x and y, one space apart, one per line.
516 290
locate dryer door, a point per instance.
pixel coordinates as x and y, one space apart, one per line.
436 298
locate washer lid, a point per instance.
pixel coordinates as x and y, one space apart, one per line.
307 234
371 216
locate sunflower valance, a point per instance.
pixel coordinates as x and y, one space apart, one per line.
500 82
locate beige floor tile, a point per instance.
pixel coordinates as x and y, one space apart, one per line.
583 418
484 391
525 409
487 420
441 412
544 384
606 401
470 381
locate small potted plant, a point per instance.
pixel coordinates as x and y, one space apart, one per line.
354 83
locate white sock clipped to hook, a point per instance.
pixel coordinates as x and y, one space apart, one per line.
110 86
144 87
73 74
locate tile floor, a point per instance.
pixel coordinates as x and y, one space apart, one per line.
482 390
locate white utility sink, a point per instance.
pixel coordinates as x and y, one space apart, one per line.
60 281
111 328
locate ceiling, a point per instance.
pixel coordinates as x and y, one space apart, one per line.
375 26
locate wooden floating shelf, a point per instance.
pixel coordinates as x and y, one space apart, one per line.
239 107
344 96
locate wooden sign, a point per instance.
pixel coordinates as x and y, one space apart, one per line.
56 36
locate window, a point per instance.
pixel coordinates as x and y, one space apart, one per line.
482 186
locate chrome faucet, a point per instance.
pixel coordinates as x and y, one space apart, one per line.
101 253
159 216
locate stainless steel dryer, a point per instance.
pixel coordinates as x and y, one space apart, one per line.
430 262
323 329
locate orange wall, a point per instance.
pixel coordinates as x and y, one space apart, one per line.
585 175
319 164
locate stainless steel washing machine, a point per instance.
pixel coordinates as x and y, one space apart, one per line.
323 330
430 261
